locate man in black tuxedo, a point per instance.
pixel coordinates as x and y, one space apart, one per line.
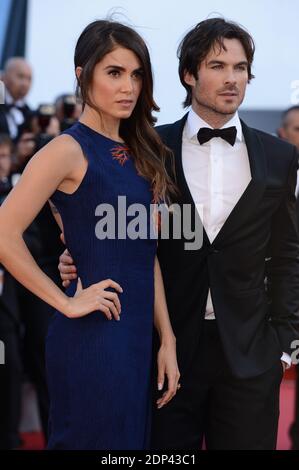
15 112
234 332
289 131
234 337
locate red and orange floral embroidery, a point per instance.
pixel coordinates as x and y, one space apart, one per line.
120 153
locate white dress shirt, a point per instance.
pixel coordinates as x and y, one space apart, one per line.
14 117
217 175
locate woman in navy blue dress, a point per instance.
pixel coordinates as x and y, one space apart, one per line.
99 341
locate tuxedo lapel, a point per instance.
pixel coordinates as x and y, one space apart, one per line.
252 194
3 121
255 189
174 142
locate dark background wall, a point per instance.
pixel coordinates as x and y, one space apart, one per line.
265 120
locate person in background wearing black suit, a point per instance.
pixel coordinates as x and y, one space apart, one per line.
11 371
289 131
15 112
23 316
14 314
234 338
35 314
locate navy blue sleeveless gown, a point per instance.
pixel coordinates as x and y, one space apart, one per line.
98 370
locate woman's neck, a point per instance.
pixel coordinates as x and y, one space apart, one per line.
100 123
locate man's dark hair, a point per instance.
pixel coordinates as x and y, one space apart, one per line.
196 45
285 114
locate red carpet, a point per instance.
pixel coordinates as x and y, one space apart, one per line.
35 440
32 441
287 404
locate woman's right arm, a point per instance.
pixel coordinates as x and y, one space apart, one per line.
54 166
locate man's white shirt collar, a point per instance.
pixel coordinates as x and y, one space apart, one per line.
195 122
9 100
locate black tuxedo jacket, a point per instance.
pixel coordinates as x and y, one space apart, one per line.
9 309
4 129
257 320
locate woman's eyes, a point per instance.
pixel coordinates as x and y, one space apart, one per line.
138 74
116 73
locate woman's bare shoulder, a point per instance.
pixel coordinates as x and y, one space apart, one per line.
63 149
64 144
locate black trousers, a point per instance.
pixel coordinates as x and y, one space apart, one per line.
10 385
35 318
36 315
23 327
229 413
11 370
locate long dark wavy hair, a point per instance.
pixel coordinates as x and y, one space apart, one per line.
150 154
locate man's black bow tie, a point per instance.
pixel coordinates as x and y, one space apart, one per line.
228 133
10 106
